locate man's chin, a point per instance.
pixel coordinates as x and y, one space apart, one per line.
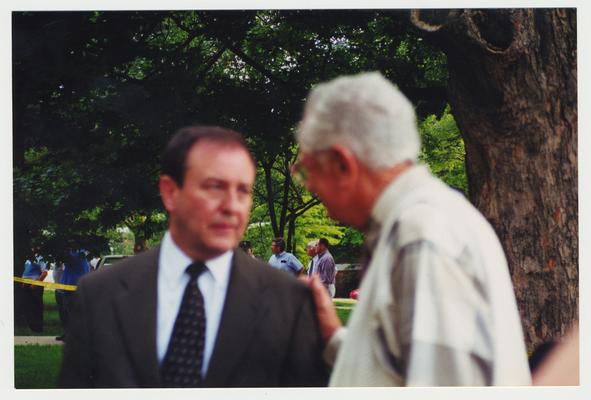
221 246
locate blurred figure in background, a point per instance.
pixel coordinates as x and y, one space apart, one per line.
58 270
94 261
312 251
246 247
35 269
283 260
75 267
326 268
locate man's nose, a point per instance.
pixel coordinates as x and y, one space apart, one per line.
232 201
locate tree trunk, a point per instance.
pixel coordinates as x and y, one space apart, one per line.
513 92
138 225
290 242
140 245
270 198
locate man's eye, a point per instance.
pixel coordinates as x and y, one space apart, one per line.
214 186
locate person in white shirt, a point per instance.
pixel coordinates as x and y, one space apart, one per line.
312 251
436 303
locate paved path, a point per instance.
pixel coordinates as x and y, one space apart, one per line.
20 340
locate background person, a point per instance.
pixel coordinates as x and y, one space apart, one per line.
35 269
311 250
282 260
58 270
246 247
94 262
325 267
195 312
75 267
437 304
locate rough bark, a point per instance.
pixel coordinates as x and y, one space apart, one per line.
513 92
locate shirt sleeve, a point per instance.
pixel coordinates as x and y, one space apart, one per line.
43 265
334 343
295 264
440 320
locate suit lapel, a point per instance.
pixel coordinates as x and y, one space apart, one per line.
136 307
242 311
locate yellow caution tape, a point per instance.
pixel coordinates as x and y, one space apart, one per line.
50 285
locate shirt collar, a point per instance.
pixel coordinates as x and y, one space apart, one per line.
174 262
390 197
396 190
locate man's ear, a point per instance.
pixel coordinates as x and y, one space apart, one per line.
168 192
345 166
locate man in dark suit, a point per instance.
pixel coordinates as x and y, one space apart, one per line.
132 323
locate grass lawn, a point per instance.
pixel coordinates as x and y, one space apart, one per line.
36 367
344 308
342 302
51 321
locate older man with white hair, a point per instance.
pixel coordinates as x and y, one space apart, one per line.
312 251
436 303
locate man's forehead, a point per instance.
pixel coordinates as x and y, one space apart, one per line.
203 154
227 162
209 145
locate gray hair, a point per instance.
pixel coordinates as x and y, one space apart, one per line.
367 114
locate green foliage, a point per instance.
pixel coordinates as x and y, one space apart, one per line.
97 94
351 237
443 149
36 366
311 225
260 233
314 224
121 241
348 250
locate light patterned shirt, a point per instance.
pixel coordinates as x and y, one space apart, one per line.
436 304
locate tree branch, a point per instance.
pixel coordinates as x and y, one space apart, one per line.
260 68
311 203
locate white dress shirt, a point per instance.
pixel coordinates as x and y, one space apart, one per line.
172 281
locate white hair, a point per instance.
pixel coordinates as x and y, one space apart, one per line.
367 114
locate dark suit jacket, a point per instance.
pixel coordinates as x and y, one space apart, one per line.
268 334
